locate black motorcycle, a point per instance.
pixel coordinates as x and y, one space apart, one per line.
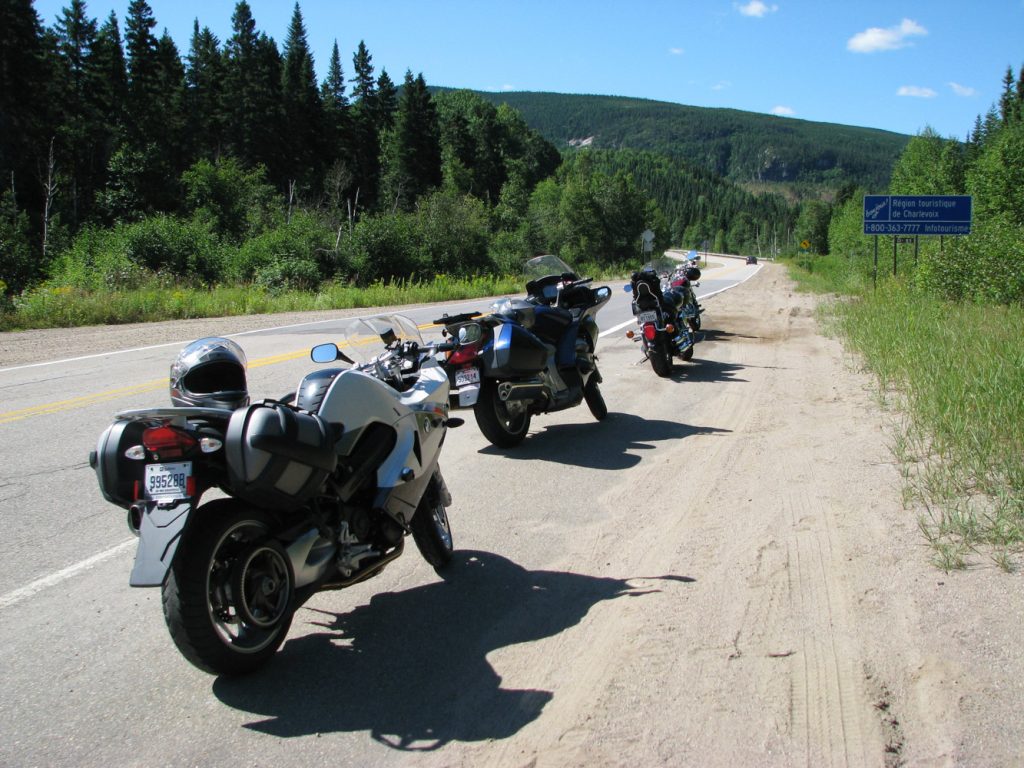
668 316
529 356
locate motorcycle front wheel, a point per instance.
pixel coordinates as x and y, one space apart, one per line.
431 530
595 400
503 426
229 597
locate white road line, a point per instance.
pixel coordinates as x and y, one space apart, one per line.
17 595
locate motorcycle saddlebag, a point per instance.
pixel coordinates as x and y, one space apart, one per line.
278 457
115 472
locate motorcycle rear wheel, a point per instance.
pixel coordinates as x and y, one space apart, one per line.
661 358
431 530
229 597
501 427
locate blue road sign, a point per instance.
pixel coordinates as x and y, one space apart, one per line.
917 214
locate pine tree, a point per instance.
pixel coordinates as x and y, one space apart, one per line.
25 121
386 102
413 146
253 95
204 83
337 133
365 130
143 74
80 143
303 111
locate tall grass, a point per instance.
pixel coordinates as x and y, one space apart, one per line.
64 306
955 373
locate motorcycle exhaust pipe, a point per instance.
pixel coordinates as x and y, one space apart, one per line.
525 391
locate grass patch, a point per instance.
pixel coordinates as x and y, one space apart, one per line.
956 372
64 306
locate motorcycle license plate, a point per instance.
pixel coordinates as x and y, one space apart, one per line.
647 317
168 481
467 376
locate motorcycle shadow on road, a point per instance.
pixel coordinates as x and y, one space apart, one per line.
411 667
617 442
705 371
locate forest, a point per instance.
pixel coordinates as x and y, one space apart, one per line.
801 156
128 164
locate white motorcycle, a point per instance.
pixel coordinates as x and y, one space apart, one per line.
322 486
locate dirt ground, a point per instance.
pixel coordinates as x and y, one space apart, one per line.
852 648
821 634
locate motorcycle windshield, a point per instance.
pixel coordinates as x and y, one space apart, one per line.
545 266
662 266
364 338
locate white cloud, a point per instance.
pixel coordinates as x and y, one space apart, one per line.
783 111
721 86
916 91
891 39
962 90
676 51
757 8
507 87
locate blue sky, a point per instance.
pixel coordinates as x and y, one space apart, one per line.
899 66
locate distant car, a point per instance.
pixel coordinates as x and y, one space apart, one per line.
751 259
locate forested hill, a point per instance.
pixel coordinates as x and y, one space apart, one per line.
744 147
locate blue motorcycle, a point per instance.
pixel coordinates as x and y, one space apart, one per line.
528 356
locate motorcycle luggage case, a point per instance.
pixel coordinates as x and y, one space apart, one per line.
516 352
278 457
117 473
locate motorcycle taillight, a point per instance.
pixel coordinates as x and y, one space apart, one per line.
168 442
463 354
650 332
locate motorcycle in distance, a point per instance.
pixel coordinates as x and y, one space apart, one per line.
528 356
668 315
319 488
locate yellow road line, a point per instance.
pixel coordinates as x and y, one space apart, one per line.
82 401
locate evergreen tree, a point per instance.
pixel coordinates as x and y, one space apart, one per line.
303 111
253 95
204 82
80 144
365 131
413 147
143 115
387 101
337 133
25 123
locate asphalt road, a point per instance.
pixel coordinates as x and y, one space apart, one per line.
403 662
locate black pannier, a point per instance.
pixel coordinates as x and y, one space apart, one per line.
278 457
117 473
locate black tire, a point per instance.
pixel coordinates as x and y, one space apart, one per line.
688 354
229 597
501 428
661 358
431 530
595 400
694 322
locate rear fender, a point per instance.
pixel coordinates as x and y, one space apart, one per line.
160 531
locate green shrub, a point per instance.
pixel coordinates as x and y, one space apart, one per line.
295 250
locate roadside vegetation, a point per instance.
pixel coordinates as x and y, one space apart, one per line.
943 334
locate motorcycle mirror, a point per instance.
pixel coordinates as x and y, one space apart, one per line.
328 353
388 337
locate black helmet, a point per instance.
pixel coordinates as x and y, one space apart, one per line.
210 373
673 298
